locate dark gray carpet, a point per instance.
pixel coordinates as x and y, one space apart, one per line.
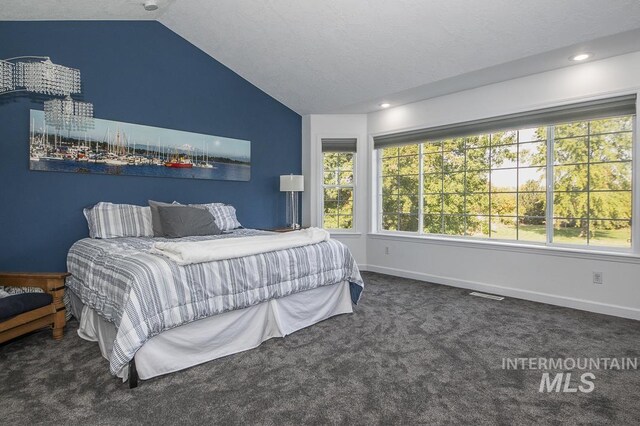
411 353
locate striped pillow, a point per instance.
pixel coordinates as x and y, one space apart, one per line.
207 205
107 220
225 216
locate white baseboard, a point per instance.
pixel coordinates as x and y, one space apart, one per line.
568 302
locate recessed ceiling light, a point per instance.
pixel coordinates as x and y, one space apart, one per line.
150 5
385 105
580 57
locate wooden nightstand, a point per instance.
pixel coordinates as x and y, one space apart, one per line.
284 229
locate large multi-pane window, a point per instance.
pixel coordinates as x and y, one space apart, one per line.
338 190
495 185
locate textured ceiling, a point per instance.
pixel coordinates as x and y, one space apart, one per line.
349 55
44 10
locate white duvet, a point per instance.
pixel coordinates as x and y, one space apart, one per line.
187 253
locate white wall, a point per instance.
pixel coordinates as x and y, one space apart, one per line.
565 85
535 275
306 167
539 274
316 128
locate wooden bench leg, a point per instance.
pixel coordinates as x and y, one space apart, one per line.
59 321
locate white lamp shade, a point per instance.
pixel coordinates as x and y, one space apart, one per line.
293 183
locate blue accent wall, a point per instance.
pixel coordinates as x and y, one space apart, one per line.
138 72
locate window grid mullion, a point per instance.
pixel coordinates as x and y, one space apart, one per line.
379 191
588 182
517 185
490 189
634 188
420 189
464 189
338 209
550 182
442 187
398 209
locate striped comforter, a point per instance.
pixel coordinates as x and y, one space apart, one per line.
145 294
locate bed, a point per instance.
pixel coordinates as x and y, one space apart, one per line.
152 316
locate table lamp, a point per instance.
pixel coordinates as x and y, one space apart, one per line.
293 185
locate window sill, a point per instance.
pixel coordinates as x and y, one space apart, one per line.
341 233
604 255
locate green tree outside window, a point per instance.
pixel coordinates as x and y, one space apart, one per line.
495 185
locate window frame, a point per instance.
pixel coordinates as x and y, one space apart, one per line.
632 251
353 187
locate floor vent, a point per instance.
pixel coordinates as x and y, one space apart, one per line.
486 296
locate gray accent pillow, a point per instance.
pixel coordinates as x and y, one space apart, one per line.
155 217
185 221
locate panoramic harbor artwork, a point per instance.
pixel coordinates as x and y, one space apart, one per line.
117 148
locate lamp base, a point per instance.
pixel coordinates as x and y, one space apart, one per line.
292 210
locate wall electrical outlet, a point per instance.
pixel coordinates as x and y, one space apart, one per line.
597 278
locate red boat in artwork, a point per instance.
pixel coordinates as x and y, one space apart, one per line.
179 163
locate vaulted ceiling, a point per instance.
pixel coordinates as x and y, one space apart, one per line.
349 55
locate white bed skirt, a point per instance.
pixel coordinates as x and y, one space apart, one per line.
221 335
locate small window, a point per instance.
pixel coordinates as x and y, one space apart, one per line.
338 183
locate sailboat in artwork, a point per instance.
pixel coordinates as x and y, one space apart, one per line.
205 158
116 156
35 149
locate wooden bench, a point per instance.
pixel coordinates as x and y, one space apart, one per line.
52 315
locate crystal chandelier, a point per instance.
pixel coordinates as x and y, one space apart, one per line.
36 74
68 114
6 77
